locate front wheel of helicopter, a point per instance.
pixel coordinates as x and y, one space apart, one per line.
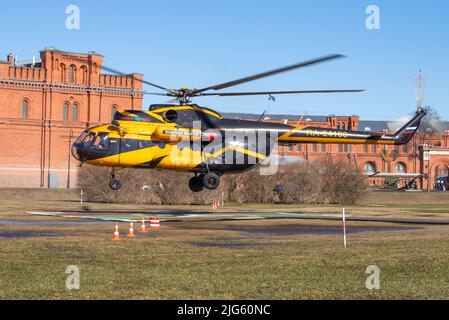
115 184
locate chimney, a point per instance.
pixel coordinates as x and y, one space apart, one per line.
10 59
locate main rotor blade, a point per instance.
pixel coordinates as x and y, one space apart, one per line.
270 73
155 93
128 75
228 94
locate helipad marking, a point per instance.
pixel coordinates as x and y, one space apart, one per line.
206 216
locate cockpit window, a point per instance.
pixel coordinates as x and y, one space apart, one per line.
89 138
81 137
101 141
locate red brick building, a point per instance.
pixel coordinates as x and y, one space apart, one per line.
45 105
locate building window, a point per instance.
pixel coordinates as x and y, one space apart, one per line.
25 109
74 112
340 148
323 147
400 167
65 112
365 148
338 125
63 73
369 167
298 148
290 148
314 147
343 126
374 148
83 75
71 78
405 148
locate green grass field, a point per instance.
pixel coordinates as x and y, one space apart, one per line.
266 259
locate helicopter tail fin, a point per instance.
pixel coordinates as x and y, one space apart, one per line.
407 131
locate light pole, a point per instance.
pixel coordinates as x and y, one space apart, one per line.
426 158
69 158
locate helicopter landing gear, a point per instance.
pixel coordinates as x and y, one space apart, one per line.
114 183
196 184
211 180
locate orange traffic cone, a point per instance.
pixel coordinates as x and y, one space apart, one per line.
131 230
155 222
116 233
142 226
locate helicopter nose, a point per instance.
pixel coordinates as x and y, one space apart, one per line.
78 147
77 152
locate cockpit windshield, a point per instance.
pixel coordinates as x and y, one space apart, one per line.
101 141
90 142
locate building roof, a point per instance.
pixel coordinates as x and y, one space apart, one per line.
90 53
373 125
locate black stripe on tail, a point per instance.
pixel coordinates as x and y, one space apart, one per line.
406 133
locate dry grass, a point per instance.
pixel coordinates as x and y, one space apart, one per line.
171 264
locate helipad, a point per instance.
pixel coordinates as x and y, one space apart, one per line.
172 215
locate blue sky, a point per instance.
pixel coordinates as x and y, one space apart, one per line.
201 43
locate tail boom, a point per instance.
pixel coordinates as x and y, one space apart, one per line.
323 135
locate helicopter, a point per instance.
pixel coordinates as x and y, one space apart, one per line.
190 138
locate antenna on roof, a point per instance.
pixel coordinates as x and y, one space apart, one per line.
302 117
261 116
420 89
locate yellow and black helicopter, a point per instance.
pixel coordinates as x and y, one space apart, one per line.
187 137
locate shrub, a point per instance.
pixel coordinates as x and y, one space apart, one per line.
321 182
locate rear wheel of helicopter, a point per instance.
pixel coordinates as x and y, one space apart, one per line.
196 184
211 180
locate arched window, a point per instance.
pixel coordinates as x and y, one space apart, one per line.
65 112
25 109
441 170
83 75
74 112
400 167
63 73
369 168
113 110
72 70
